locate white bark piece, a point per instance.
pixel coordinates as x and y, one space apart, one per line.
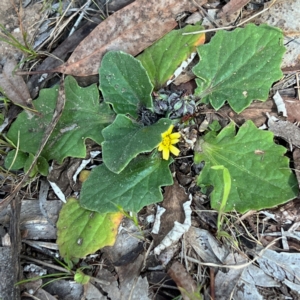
177 231
4 125
156 225
182 67
84 163
280 104
58 192
150 219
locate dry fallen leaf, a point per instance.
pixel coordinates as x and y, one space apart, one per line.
183 279
256 112
293 109
131 29
14 86
286 130
174 197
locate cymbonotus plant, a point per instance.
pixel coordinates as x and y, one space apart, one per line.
138 144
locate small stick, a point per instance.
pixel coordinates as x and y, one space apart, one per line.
212 283
84 7
297 87
232 26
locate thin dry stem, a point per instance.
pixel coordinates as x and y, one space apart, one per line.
232 26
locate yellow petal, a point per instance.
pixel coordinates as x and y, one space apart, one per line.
166 153
175 135
160 147
174 150
170 129
174 141
163 135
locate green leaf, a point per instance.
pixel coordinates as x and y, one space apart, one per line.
19 158
28 164
136 186
32 127
81 278
24 160
239 66
125 139
43 166
165 56
82 118
81 232
124 83
260 173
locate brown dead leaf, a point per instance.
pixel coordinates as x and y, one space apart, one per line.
115 5
174 197
293 109
14 86
183 279
131 29
231 7
255 112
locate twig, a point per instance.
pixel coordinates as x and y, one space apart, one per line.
297 87
58 268
232 26
83 8
206 14
212 283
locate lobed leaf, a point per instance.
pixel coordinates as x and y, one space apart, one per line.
82 118
136 186
239 66
260 173
124 139
81 232
124 83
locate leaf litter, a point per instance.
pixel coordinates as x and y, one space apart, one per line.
14 86
243 282
131 29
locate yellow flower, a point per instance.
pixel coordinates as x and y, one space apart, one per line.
168 140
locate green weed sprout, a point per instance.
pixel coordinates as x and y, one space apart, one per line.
26 48
226 191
